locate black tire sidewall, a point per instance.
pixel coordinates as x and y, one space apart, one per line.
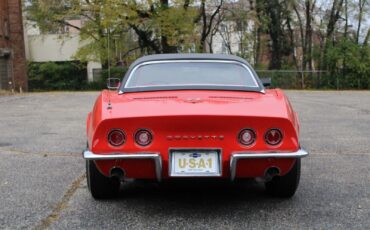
100 186
285 186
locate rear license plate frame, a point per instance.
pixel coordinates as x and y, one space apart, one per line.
171 165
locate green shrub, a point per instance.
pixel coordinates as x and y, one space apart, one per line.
47 76
349 65
57 76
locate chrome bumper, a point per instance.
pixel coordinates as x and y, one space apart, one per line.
156 157
248 155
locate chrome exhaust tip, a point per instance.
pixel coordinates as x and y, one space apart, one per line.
271 173
117 172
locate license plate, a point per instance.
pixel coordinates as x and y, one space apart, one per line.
195 163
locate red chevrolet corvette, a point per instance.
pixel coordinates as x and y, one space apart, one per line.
191 116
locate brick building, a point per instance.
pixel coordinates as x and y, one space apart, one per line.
12 52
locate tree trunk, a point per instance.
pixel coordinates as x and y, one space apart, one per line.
333 18
166 48
258 32
257 55
292 42
346 19
303 37
207 25
203 35
145 39
367 38
274 9
361 5
308 46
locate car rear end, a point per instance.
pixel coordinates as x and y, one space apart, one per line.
166 147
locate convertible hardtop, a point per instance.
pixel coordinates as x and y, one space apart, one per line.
166 57
182 57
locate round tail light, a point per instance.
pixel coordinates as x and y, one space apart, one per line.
143 137
116 137
247 137
273 136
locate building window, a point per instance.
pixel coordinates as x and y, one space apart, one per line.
4 73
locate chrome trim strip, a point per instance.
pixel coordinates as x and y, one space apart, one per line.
235 156
196 61
156 157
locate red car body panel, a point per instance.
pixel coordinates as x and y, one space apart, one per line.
177 118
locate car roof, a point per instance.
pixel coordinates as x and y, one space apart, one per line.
193 56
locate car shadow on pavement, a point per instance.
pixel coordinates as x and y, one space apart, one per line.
195 196
180 204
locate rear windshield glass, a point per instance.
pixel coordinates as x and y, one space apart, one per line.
191 74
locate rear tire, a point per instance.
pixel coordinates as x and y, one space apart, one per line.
100 186
285 186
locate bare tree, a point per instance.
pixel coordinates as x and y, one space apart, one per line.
219 19
310 6
334 16
361 7
366 41
207 23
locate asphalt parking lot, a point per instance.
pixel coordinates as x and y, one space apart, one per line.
43 185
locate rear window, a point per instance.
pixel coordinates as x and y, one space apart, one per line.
191 73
